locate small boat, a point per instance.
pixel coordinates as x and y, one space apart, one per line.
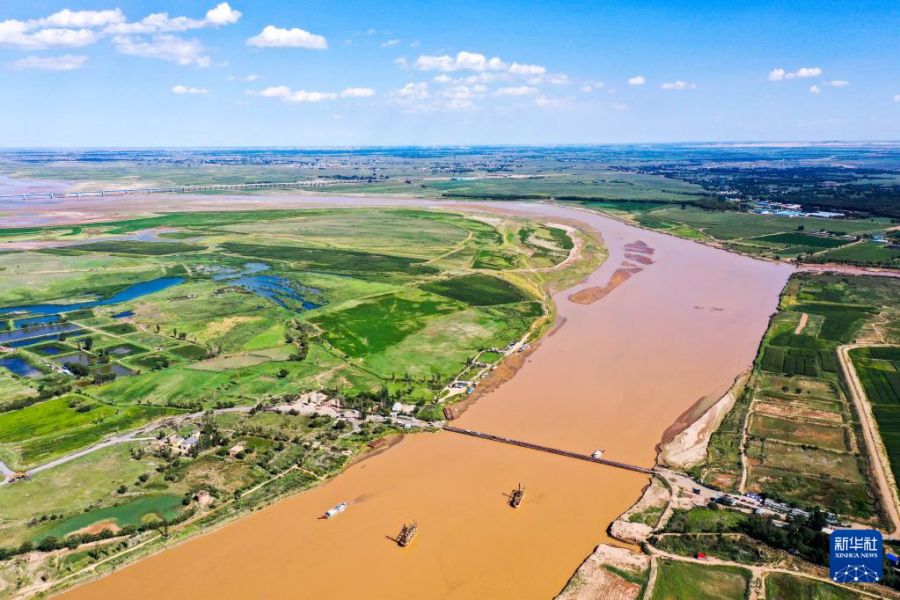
518 494
597 454
335 510
407 534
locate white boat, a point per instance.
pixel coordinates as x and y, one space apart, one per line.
335 510
597 454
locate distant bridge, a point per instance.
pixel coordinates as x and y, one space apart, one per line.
548 449
223 187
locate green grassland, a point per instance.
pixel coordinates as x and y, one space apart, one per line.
135 512
801 434
404 304
136 247
43 431
782 586
677 580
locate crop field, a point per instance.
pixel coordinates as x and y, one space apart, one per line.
801 438
477 290
878 369
801 239
865 253
782 586
772 236
676 580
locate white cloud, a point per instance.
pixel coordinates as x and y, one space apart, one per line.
289 95
637 80
357 93
521 90
460 96
20 34
276 37
553 78
412 91
183 89
897 98
463 61
443 79
801 73
78 19
814 89
838 83
390 43
278 91
678 85
519 69
71 28
222 14
591 86
164 47
304 96
66 62
251 77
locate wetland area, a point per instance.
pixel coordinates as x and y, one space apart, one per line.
614 374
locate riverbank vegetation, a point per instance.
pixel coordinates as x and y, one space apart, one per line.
793 435
221 374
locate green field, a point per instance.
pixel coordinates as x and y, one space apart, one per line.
866 253
133 512
43 431
140 248
781 586
772 236
477 290
800 444
328 259
678 580
879 371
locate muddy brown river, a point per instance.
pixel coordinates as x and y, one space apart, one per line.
619 371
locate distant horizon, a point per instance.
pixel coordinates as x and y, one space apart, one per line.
698 143
349 73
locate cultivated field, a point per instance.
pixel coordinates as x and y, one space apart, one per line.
792 435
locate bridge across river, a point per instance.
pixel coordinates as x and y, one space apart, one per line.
548 449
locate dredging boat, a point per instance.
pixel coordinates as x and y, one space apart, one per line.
516 497
407 534
335 510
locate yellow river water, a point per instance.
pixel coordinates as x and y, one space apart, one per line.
615 375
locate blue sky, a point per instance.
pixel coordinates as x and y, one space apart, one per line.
333 73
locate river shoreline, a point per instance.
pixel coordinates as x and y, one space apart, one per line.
570 392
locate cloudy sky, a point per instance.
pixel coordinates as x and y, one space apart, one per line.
331 73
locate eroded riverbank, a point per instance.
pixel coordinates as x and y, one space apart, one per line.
617 373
